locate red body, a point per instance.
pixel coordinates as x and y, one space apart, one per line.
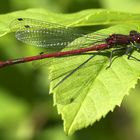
112 41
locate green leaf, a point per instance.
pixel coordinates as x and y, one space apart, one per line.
86 92
90 91
82 18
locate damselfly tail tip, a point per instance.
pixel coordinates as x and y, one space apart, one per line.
1 64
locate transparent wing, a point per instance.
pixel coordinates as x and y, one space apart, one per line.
49 35
43 34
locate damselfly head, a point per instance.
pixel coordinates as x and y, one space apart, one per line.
138 40
135 36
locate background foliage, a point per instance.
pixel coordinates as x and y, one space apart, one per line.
26 108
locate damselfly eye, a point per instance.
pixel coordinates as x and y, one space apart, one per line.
138 40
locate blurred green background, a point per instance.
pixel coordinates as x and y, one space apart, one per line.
26 109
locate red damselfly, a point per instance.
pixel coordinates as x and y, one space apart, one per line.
56 37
